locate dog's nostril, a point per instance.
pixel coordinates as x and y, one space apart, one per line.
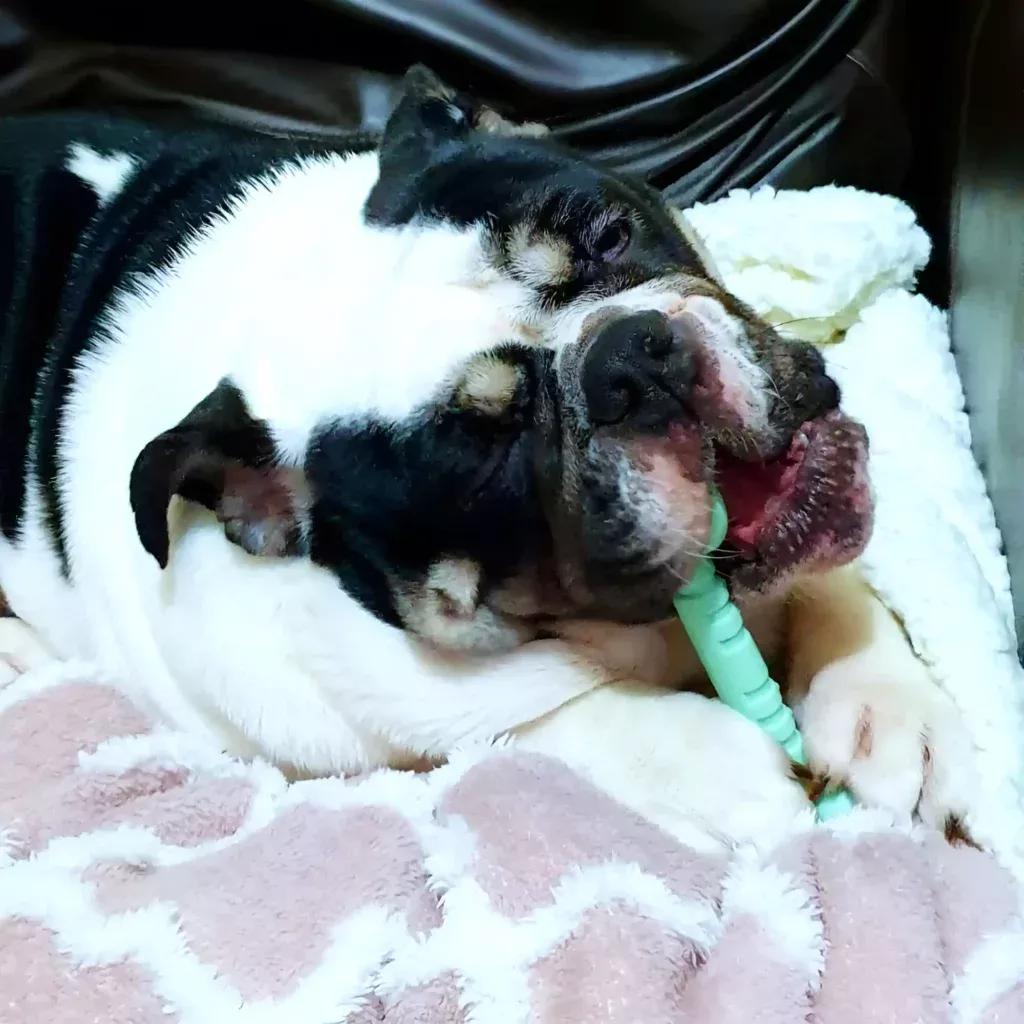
621 399
658 344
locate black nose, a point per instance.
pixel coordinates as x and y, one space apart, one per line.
826 393
822 392
638 371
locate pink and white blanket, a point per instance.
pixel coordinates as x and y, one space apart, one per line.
149 879
145 876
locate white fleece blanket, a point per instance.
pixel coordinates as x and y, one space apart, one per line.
837 259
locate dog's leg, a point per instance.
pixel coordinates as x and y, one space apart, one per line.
871 715
689 764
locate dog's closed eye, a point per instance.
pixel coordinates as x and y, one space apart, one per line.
610 241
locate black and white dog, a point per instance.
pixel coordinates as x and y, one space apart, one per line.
349 458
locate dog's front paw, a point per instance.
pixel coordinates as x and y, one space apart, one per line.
894 738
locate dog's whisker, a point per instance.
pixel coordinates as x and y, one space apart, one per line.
795 320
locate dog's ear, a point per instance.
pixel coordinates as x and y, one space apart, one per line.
426 114
429 112
222 457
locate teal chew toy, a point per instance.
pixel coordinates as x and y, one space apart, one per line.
734 664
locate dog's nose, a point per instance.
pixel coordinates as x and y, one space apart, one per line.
801 391
821 392
826 394
638 372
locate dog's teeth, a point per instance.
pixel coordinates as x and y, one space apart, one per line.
787 537
802 520
822 486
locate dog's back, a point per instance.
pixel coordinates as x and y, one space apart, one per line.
94 211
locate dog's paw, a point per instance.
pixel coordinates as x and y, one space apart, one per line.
686 763
894 738
21 650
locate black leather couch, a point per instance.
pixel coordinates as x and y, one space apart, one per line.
988 260
700 95
903 96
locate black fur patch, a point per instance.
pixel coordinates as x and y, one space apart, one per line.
504 183
42 219
388 500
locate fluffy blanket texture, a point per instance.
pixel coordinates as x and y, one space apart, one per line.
147 877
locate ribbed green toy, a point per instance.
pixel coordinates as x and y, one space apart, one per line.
734 664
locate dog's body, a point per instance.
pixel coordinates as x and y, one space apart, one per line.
320 455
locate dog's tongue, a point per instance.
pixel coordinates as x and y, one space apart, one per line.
753 492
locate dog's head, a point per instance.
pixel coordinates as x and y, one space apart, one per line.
560 463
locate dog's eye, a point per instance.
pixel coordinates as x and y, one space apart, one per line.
612 242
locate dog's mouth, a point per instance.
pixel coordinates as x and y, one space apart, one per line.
809 509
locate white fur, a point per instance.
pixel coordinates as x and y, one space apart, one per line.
32 584
20 650
884 688
105 175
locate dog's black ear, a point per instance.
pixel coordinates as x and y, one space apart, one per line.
222 457
426 114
